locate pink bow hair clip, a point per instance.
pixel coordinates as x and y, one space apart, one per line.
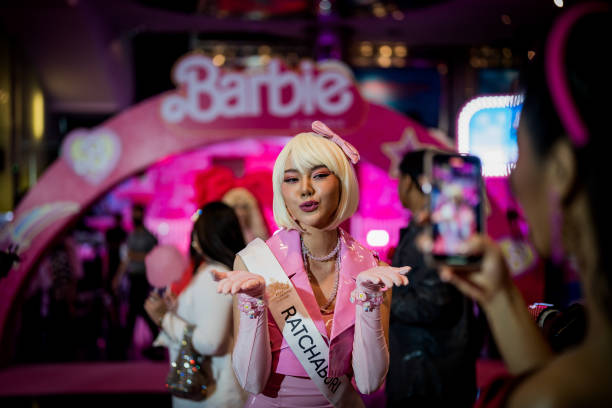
348 149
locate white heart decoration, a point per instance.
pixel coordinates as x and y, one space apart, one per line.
92 155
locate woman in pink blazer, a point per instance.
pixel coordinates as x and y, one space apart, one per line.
342 285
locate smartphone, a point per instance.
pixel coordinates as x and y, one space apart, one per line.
455 205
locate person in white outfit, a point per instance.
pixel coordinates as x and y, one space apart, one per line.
217 237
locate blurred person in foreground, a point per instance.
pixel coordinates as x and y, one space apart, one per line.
433 337
216 237
561 178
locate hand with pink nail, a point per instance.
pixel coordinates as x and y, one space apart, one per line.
234 282
382 277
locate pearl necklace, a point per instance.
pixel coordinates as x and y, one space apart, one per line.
306 251
306 254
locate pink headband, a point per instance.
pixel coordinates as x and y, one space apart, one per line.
556 75
348 149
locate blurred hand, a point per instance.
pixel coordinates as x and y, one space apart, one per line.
489 279
171 299
155 307
234 282
480 283
379 277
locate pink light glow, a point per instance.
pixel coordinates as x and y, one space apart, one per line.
168 190
377 238
379 208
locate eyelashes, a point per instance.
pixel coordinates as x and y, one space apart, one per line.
317 176
321 175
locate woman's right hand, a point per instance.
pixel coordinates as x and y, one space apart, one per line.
488 280
517 337
234 282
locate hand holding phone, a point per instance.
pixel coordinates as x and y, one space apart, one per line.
455 206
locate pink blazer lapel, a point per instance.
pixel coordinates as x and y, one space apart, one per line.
354 258
285 245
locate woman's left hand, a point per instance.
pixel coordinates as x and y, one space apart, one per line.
379 277
155 307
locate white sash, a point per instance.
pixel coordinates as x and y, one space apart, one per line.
297 327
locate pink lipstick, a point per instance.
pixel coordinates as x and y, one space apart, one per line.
309 206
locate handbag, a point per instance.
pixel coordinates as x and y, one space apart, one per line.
190 375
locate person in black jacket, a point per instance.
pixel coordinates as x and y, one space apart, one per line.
433 336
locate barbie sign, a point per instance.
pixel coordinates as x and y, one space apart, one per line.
208 94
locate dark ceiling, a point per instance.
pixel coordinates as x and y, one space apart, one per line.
90 54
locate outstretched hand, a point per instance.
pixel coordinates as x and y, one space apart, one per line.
234 282
379 277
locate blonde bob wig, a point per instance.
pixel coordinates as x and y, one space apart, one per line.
309 150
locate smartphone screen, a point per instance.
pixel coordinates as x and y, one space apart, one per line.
455 205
